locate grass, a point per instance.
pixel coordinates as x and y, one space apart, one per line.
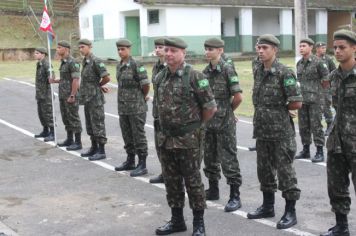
25 71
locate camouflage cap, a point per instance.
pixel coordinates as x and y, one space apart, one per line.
42 50
345 35
268 39
123 43
159 41
64 43
320 44
85 42
308 41
175 42
214 43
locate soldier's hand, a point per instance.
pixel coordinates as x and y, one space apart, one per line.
105 89
293 113
52 80
71 99
236 119
325 84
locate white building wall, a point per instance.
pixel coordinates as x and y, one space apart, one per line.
159 29
193 21
265 21
110 11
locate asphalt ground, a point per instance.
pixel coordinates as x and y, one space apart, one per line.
45 190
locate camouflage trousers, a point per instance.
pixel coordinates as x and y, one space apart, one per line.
133 133
70 115
95 121
276 158
220 150
157 129
339 166
309 118
45 112
326 107
182 167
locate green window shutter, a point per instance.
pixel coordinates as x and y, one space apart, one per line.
98 27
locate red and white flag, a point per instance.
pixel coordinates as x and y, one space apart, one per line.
46 25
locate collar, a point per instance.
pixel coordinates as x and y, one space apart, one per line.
180 71
128 62
218 66
86 60
274 68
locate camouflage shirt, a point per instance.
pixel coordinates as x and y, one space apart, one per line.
180 104
329 62
256 62
155 70
272 90
224 83
343 86
131 76
310 74
69 70
93 70
43 88
228 60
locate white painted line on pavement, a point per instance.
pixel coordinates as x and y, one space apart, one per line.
146 180
6 231
318 163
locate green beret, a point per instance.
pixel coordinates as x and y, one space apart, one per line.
64 43
123 43
42 50
85 42
214 43
345 35
308 41
320 44
175 42
268 39
159 41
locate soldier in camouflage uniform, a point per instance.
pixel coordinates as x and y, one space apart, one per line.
185 102
311 72
68 101
160 65
43 95
94 77
133 88
220 137
275 92
341 144
326 96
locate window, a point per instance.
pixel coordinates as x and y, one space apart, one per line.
98 27
153 16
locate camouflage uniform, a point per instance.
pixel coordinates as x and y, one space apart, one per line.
132 106
43 94
69 70
326 97
228 60
220 137
310 74
274 129
91 96
181 97
155 70
341 144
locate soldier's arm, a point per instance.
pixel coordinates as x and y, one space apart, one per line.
292 91
234 86
103 74
143 79
323 72
75 74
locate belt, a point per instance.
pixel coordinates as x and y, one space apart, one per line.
180 131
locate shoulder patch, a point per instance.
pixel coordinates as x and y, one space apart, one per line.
203 83
142 69
102 65
77 65
234 79
290 81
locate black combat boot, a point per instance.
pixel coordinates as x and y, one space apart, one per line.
289 217
141 166
50 136
341 228
176 224
69 141
212 193
92 150
267 208
77 145
234 202
129 164
305 153
43 134
319 155
157 180
100 154
198 223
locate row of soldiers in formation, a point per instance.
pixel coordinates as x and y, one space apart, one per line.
194 120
